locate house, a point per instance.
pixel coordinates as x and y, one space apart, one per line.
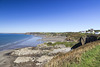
88 31
91 31
97 32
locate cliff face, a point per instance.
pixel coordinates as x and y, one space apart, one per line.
86 39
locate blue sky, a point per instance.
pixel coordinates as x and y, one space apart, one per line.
19 16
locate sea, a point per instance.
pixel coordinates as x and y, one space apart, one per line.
15 41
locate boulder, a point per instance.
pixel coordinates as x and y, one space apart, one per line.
43 59
60 50
23 59
83 40
44 47
26 51
60 46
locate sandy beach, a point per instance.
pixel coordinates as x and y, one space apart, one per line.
5 59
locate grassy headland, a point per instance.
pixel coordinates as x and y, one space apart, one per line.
55 54
72 36
90 58
77 56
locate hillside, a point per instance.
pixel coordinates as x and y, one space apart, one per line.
82 56
97 30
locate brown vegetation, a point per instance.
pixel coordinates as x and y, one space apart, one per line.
72 56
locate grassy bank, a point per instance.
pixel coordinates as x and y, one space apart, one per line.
67 44
84 56
90 58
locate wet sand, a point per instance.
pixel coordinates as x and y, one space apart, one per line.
5 59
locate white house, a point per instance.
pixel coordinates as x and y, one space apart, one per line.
97 32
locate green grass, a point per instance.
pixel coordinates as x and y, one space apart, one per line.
90 58
67 44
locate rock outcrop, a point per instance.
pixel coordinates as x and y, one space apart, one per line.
26 51
43 59
70 38
60 46
39 55
24 59
60 50
85 39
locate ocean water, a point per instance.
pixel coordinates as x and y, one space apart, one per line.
14 41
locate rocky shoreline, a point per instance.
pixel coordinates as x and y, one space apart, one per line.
33 56
30 56
42 54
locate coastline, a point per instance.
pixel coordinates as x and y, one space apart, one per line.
41 53
34 56
32 41
52 38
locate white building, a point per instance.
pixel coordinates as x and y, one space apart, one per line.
97 32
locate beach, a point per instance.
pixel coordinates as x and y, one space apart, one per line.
52 50
5 59
32 56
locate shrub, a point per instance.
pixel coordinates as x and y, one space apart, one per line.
49 43
67 44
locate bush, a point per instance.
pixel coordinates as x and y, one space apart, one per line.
49 43
67 44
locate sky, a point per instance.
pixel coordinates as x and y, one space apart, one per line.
20 16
